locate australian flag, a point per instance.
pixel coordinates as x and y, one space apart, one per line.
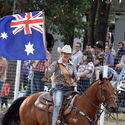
22 36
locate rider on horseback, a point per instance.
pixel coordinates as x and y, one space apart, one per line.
64 76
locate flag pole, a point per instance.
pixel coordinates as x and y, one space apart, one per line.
45 43
44 32
18 70
17 79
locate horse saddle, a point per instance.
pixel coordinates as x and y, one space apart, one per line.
45 102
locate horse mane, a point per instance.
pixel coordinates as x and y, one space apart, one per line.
11 117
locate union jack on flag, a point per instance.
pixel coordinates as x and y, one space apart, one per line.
22 36
27 22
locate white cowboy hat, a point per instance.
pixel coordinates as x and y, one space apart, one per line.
65 49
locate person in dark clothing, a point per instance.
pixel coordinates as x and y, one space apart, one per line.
120 52
100 54
49 39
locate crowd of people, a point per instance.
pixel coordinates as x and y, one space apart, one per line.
74 69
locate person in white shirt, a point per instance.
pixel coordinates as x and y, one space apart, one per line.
77 54
85 72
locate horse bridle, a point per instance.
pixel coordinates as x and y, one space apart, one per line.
103 97
104 101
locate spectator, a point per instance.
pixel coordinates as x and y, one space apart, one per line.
4 94
100 43
50 41
93 53
121 88
88 47
64 77
30 80
25 74
124 44
99 53
113 52
106 43
110 38
122 73
122 61
85 71
109 58
38 70
111 71
120 52
77 54
3 69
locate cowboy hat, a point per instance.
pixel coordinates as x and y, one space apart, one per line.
65 49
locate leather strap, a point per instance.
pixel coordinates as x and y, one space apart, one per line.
66 73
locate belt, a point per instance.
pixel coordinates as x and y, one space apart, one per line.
63 85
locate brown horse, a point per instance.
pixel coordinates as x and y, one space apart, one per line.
84 110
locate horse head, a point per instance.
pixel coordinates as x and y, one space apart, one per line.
106 94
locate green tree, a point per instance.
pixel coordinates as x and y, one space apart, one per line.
91 21
6 7
98 20
102 20
65 17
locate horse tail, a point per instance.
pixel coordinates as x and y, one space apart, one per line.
11 117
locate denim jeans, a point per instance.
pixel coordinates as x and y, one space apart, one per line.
37 85
58 94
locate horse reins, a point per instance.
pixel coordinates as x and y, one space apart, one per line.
97 115
103 97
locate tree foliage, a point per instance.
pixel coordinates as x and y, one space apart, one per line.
68 18
6 7
65 17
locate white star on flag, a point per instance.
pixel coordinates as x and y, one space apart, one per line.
29 48
4 35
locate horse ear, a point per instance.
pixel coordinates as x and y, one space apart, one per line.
110 77
101 76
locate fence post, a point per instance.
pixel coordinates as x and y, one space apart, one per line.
17 79
105 75
102 116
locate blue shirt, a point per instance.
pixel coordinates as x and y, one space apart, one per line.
111 71
120 54
122 73
109 59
